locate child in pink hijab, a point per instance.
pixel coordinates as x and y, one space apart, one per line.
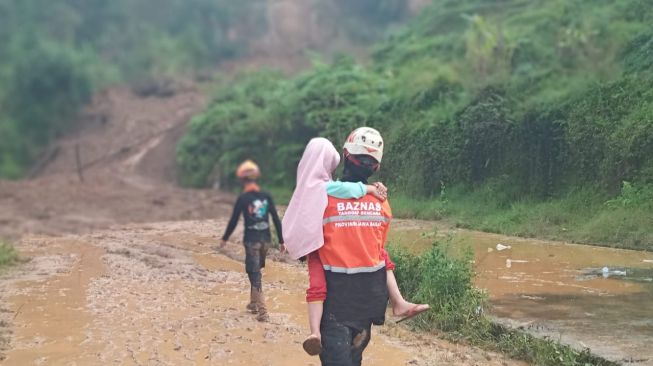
302 222
303 229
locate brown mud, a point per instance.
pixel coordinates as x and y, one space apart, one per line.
161 294
126 145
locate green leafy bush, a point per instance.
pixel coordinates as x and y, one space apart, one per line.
633 196
44 93
442 281
237 126
609 133
46 90
8 255
638 55
268 119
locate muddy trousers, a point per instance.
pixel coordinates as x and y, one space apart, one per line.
343 343
255 254
255 260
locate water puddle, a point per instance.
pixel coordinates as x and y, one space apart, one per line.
584 295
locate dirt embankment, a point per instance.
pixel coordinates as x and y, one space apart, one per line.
117 168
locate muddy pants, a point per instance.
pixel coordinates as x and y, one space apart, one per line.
343 343
255 260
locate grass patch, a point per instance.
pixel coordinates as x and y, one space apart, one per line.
446 283
582 216
8 255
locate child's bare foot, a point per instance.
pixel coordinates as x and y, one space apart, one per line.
313 345
407 310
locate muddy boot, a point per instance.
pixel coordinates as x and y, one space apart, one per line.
262 310
252 307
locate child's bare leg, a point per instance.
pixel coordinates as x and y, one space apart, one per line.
315 317
313 343
315 296
399 305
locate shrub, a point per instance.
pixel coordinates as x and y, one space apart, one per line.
45 91
268 119
238 125
638 55
443 281
632 196
8 255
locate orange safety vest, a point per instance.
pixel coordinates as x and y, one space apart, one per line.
355 231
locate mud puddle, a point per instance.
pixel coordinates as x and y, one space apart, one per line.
585 296
159 294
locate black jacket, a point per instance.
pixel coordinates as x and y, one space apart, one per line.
256 207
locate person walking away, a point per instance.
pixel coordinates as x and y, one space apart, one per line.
319 160
256 207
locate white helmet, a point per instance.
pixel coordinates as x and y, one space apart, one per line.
365 141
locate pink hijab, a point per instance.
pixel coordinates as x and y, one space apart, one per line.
302 222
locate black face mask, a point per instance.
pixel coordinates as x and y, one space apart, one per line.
358 168
365 161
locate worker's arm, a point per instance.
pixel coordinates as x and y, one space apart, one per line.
235 215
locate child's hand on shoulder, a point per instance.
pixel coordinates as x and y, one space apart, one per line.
379 190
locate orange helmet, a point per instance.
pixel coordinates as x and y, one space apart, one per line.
248 170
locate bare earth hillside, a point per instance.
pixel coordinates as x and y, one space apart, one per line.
126 148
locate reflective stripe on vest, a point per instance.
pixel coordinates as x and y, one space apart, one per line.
354 218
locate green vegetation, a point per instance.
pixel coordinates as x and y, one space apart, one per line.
535 116
582 216
8 255
44 92
446 283
54 54
270 119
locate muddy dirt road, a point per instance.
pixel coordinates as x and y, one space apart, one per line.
160 294
117 272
